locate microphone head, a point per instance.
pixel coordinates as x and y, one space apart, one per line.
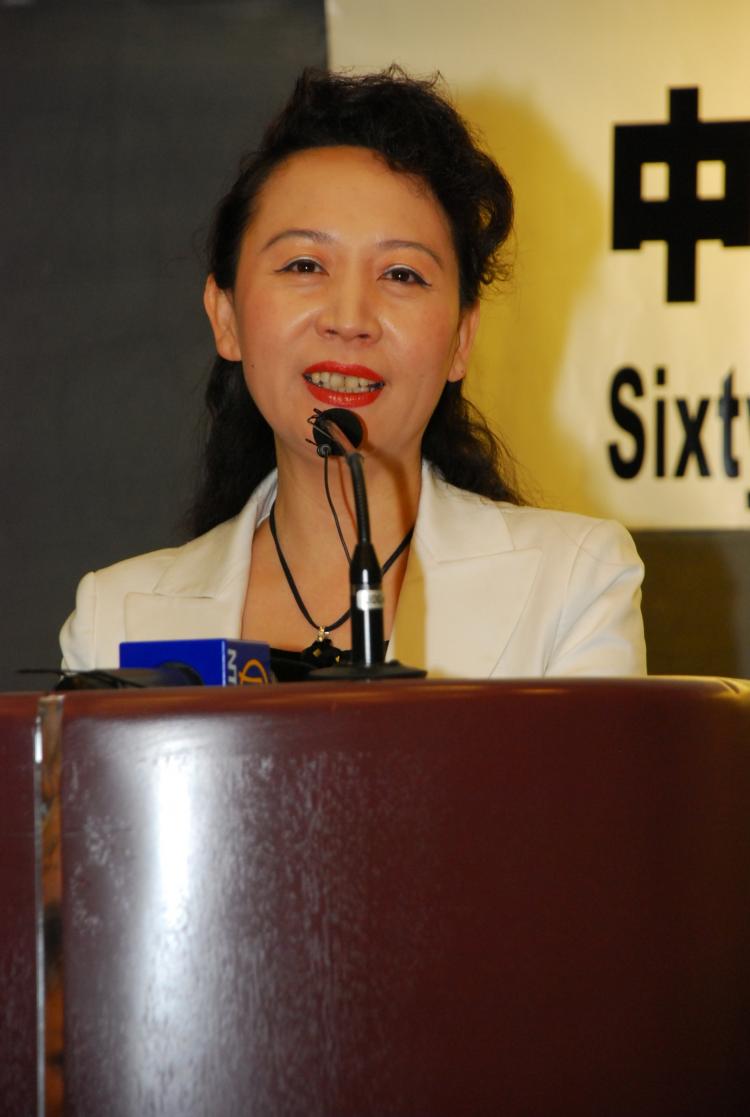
349 423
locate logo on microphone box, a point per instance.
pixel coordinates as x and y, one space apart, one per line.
217 662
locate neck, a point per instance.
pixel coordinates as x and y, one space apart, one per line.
305 518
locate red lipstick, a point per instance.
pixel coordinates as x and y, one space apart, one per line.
339 396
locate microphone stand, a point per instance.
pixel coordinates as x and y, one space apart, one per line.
365 579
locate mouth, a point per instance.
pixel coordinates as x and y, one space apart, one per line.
343 385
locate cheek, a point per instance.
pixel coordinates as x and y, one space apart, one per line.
256 321
268 324
434 333
434 351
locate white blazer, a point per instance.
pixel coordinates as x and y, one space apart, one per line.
490 591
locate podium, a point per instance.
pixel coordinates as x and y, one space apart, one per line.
18 906
412 898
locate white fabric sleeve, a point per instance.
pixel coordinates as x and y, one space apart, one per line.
601 629
78 634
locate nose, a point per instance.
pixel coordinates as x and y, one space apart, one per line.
349 310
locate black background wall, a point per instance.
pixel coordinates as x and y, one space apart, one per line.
122 124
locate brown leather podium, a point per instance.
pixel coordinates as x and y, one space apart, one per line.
18 906
412 899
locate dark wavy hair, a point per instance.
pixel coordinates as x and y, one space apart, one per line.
416 131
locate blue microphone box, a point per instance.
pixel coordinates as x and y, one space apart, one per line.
219 662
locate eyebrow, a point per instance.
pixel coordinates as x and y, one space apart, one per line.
319 237
309 234
413 244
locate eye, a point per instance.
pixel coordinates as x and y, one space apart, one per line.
401 274
303 265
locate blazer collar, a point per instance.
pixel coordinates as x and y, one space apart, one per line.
454 525
214 562
201 593
465 585
463 593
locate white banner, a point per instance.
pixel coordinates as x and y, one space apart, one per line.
617 363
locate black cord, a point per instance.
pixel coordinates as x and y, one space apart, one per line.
322 628
293 587
329 498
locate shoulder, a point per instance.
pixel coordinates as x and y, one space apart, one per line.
91 634
520 527
571 582
143 573
206 560
213 566
600 540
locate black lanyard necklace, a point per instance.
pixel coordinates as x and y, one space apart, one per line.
322 644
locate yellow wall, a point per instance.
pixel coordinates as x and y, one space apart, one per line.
546 82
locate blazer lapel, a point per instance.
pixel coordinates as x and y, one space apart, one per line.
464 590
202 593
465 586
151 617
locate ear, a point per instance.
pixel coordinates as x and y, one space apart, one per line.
467 328
220 310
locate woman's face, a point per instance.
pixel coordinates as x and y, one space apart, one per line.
346 295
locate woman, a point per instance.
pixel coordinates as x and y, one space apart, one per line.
346 266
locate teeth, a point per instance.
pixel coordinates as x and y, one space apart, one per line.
338 382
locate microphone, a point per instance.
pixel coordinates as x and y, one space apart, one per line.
328 436
339 432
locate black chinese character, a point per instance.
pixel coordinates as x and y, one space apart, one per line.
682 218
